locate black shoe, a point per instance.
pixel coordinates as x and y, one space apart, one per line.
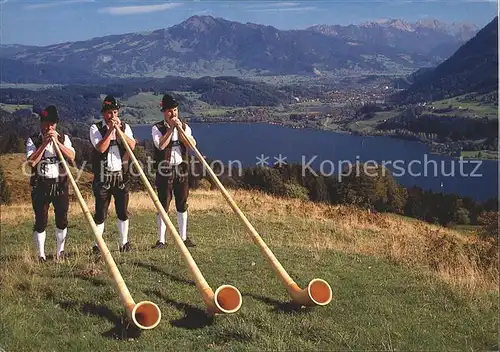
42 260
95 254
127 247
189 243
61 256
159 245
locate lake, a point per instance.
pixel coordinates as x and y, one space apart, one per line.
327 152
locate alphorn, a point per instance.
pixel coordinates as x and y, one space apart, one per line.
145 315
227 298
317 292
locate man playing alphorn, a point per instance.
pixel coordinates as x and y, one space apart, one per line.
171 159
110 167
49 181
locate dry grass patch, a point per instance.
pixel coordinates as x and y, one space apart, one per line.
467 262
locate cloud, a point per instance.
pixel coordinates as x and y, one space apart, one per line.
282 9
284 4
278 7
132 10
202 12
53 4
272 5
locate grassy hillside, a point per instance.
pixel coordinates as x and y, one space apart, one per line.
481 154
398 284
17 174
463 107
14 107
143 107
370 125
473 106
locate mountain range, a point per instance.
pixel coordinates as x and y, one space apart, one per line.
429 37
473 68
210 46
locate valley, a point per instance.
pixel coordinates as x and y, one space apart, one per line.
445 95
356 105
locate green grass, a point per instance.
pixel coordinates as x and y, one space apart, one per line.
370 124
14 107
378 305
481 154
210 111
466 108
146 104
29 86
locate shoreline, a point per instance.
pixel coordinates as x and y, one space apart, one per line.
429 144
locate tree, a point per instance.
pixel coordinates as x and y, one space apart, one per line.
319 190
4 189
462 216
294 190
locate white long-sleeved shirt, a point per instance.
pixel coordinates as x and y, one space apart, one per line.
176 155
50 170
114 158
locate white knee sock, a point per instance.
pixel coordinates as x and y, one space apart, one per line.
61 239
123 230
162 227
40 243
100 231
182 224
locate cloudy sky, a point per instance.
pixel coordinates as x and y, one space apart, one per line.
43 22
